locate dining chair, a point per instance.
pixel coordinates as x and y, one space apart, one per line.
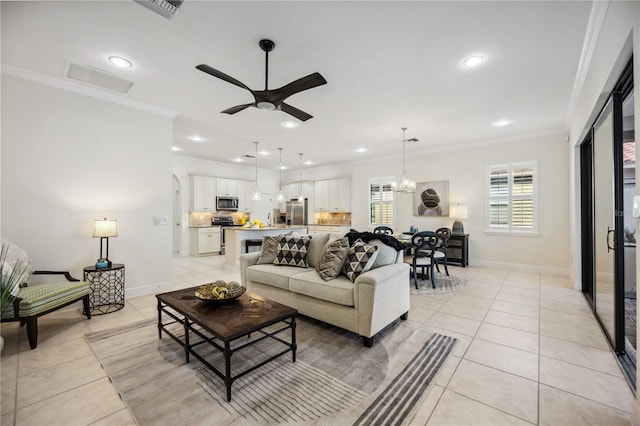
383 230
440 254
424 246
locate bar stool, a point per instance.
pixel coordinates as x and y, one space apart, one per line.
252 243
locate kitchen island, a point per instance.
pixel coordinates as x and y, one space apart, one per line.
235 238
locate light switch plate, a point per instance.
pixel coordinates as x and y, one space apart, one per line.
160 220
636 206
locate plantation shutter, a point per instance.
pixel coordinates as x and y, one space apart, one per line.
381 202
512 198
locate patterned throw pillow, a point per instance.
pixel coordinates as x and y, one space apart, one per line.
269 249
292 251
332 258
360 258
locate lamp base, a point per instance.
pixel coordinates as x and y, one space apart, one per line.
457 228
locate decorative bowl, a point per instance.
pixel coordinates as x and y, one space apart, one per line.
220 291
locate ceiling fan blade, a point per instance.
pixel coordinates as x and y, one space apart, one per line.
304 83
222 76
299 114
236 108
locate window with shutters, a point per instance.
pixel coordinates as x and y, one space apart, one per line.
512 198
381 202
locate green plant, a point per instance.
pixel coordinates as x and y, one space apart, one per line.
12 276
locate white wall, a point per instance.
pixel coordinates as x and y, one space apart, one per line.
465 170
68 159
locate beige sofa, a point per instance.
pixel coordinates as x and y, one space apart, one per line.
376 298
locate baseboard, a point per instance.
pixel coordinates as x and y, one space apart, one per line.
145 290
547 270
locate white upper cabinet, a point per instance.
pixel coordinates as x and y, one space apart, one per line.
203 193
332 195
245 192
227 187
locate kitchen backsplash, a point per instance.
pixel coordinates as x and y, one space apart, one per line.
326 218
200 218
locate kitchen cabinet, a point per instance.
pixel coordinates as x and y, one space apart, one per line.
245 194
291 192
203 193
332 195
227 187
204 241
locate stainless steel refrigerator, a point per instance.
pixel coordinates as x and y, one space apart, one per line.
297 212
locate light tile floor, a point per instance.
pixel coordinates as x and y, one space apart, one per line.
529 352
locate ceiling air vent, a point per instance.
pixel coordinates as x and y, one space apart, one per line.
98 78
166 8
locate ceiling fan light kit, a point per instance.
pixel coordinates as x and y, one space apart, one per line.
274 99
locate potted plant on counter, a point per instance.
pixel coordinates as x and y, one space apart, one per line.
14 270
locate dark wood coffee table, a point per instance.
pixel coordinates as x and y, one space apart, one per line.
222 325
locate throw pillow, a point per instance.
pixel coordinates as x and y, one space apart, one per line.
360 258
292 251
269 249
332 258
318 242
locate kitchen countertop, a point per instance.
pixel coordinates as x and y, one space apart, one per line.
266 228
204 226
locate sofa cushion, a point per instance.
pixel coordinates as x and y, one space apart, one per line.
273 275
332 258
315 248
359 259
292 251
269 249
386 254
310 284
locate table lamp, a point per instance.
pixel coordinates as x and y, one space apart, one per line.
458 212
104 229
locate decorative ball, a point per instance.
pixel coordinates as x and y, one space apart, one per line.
430 198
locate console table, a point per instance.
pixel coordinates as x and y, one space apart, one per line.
107 288
458 249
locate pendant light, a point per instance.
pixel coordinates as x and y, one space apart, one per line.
406 185
300 194
256 195
280 197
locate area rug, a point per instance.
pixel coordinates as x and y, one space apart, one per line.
444 284
335 379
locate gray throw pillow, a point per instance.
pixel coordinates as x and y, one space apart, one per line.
315 248
386 254
269 249
360 258
332 258
293 251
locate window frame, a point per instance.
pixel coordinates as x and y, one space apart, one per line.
384 180
510 197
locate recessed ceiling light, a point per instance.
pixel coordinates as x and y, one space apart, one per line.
238 160
502 123
473 61
197 138
308 163
289 124
282 167
120 62
175 148
362 150
264 152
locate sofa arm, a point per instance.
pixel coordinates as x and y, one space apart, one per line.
382 296
246 260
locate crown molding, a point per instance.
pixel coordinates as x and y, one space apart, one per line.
596 19
83 90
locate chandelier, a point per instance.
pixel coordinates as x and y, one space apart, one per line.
406 185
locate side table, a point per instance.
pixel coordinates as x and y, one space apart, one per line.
107 288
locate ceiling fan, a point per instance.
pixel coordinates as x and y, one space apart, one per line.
266 99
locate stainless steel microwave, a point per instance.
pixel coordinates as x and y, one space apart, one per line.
227 203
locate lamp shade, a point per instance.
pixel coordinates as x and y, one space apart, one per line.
458 211
105 228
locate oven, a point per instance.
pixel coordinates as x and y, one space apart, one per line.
223 222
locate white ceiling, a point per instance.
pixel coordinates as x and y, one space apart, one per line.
388 65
